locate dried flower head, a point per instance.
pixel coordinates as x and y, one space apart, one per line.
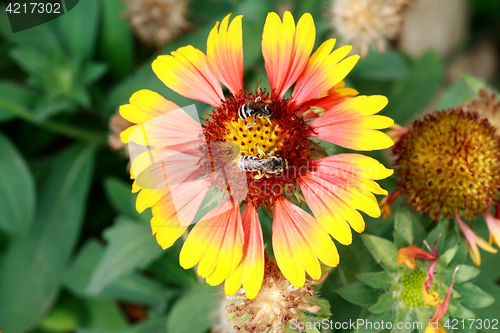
448 163
157 21
366 22
277 303
487 106
117 124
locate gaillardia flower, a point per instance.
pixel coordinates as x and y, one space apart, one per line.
427 294
274 139
448 166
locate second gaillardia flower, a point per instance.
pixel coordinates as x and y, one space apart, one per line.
448 167
275 137
424 285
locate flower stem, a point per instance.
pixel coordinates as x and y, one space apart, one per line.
63 129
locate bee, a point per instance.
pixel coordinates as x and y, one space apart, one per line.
256 109
265 166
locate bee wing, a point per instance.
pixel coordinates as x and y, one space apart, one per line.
230 182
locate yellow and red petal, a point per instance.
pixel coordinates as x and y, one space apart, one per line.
324 70
225 53
173 211
147 198
145 105
331 211
408 254
298 242
154 169
473 241
173 128
432 298
430 277
250 272
334 96
216 243
169 173
286 49
493 224
165 224
352 124
338 186
188 73
443 308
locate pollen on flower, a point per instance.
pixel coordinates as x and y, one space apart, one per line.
284 136
413 296
448 163
277 303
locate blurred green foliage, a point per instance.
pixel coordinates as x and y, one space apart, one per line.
75 256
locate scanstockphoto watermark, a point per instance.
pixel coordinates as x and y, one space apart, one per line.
355 325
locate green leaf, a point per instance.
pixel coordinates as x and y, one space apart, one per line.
447 257
370 324
104 316
390 65
492 311
358 293
438 232
93 72
422 320
17 190
458 311
137 289
60 320
116 40
80 271
34 263
461 91
132 288
192 312
167 269
130 247
399 240
309 325
403 316
384 303
122 199
473 297
324 305
383 251
79 27
15 94
30 59
409 226
461 255
466 273
417 90
377 280
155 325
